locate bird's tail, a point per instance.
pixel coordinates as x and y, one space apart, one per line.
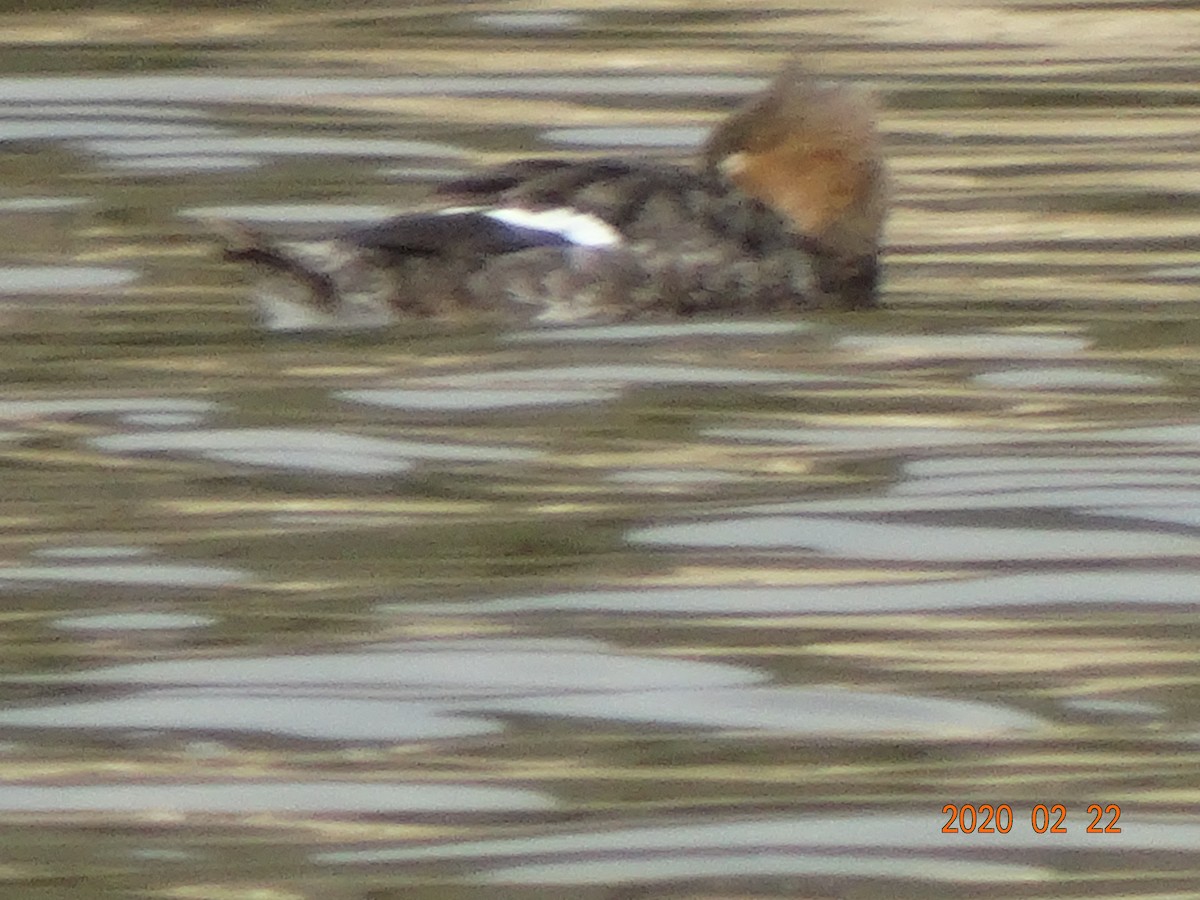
306 285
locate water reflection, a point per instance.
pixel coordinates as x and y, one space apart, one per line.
891 435
324 213
302 449
1147 586
149 573
652 333
616 375
159 89
447 399
134 622
42 204
854 845
765 864
61 279
916 542
261 711
242 797
530 21
76 127
807 712
455 688
1058 379
19 410
160 150
608 138
983 345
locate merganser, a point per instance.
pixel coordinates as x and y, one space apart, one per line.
783 210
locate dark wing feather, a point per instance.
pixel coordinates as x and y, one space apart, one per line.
465 234
614 190
488 186
653 200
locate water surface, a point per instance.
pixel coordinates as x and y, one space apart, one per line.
687 610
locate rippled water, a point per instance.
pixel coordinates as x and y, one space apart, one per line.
693 610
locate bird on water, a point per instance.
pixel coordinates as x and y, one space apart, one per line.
783 209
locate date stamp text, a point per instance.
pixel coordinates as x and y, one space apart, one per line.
987 818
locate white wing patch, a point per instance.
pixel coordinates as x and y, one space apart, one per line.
580 228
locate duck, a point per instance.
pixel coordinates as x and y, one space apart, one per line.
781 210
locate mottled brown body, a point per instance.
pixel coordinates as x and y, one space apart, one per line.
784 211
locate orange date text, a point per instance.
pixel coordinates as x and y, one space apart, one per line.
989 818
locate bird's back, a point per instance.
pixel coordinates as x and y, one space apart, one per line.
783 210
547 240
